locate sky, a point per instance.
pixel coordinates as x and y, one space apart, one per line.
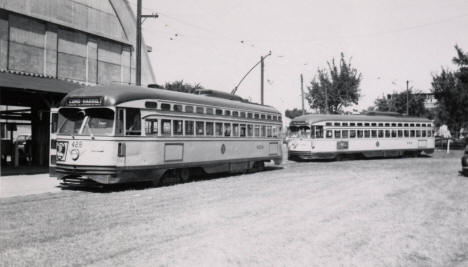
216 42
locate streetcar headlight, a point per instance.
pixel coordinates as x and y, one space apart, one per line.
75 154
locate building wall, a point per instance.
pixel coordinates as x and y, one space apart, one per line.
89 41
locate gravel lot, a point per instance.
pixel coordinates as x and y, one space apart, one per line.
385 212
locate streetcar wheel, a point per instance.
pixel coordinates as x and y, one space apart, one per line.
184 175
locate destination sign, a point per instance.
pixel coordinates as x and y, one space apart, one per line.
85 101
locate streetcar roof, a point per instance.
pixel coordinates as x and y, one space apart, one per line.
116 94
314 118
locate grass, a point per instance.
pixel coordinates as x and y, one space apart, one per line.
409 212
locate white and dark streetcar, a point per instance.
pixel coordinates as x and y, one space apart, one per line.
118 134
329 136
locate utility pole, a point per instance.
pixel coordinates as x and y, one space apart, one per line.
139 22
262 67
326 100
302 94
407 98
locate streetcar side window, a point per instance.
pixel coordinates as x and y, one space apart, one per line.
329 134
120 122
337 134
177 126
243 130
200 110
178 108
209 111
423 133
151 127
366 133
429 133
387 133
188 127
412 133
374 133
381 133
359 133
132 121
344 134
235 130
227 129
200 128
400 133
394 134
406 133
166 127
257 131
209 128
189 109
352 134
165 106
319 131
269 131
218 129
418 133
249 130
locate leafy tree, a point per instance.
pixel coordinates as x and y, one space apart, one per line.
451 91
292 113
334 88
180 86
396 102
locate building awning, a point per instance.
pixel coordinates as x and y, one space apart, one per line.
27 81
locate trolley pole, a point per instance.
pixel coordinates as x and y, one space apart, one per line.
302 94
139 22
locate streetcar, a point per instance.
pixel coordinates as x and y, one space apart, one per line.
119 134
375 134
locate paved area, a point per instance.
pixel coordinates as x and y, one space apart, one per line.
21 185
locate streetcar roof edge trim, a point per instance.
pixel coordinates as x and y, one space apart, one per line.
117 94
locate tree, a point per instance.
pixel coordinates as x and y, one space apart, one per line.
396 102
451 92
180 86
334 88
292 113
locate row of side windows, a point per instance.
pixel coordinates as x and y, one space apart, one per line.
378 124
212 111
174 127
394 133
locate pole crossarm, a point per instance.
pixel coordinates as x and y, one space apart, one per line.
152 15
233 92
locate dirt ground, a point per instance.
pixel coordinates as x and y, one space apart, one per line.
383 212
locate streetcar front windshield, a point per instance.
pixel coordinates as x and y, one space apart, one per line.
86 121
299 131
